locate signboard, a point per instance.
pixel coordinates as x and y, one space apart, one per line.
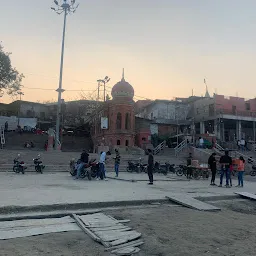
104 123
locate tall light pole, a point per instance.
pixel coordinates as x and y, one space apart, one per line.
67 7
19 93
103 82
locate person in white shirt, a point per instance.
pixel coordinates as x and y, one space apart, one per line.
102 165
201 142
242 144
102 162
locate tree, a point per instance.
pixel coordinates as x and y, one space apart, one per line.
10 78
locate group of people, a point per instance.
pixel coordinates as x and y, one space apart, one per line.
84 159
226 169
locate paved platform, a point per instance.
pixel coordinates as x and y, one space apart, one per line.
60 188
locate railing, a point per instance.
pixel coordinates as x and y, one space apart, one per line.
179 148
219 147
159 148
247 113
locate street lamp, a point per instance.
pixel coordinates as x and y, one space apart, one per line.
103 82
67 7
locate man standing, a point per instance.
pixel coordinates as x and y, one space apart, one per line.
242 144
83 160
102 165
117 162
201 142
226 162
189 166
150 166
213 167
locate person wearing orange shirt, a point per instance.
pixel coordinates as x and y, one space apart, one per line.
241 168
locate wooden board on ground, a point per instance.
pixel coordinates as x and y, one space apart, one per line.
247 195
109 230
34 231
192 203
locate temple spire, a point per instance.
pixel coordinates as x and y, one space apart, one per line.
123 75
207 94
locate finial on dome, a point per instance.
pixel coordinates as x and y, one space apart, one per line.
123 75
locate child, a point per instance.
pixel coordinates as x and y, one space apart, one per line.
241 167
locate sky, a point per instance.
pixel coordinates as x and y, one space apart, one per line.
167 47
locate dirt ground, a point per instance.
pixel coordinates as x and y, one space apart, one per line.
166 230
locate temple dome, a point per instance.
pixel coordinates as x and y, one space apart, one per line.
122 89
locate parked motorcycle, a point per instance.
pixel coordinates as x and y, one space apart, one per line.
181 170
172 168
19 166
161 168
39 167
133 167
85 172
253 172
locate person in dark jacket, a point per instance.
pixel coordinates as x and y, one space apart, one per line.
189 166
213 166
117 162
150 166
226 162
84 158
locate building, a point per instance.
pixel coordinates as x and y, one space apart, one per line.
120 115
229 118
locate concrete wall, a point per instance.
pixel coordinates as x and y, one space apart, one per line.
227 103
165 110
28 109
200 109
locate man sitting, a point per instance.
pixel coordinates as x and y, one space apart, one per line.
83 160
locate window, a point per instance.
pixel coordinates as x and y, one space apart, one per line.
127 121
118 143
144 139
119 121
247 106
127 143
42 115
211 110
233 110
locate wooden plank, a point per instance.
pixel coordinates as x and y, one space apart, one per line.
115 232
34 231
86 230
126 251
247 195
132 243
113 229
192 203
128 236
35 222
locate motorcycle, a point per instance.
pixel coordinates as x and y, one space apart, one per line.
172 168
181 170
133 167
160 168
19 166
39 167
253 172
85 172
95 168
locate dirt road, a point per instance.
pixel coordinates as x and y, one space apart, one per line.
167 230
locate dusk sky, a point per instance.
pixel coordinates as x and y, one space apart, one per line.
167 47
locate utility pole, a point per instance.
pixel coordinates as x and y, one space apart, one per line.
67 7
103 82
19 93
